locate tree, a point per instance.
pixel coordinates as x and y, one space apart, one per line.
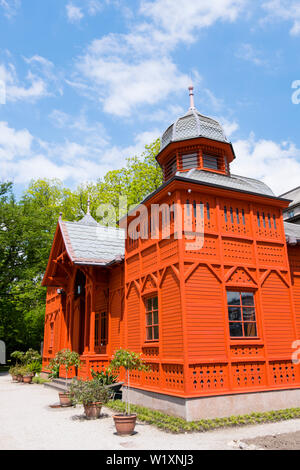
27 228
130 361
136 180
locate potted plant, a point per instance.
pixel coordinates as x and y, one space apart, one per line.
91 394
13 370
109 380
68 359
18 372
26 374
18 356
35 367
125 423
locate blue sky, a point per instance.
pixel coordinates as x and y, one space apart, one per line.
90 82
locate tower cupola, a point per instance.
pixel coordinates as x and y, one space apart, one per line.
194 141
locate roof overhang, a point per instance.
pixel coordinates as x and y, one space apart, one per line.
176 144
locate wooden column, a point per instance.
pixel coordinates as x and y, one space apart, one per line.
87 321
92 321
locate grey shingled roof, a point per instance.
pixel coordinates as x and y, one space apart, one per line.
193 124
233 181
93 244
294 195
292 233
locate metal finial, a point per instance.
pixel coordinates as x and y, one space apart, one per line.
191 92
60 215
88 206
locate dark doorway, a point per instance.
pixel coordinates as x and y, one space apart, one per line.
80 282
81 326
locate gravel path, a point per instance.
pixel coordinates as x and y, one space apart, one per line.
27 422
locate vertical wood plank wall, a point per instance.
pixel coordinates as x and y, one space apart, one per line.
195 355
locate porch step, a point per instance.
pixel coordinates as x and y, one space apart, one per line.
58 384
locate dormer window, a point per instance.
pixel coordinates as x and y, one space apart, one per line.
189 161
211 162
170 168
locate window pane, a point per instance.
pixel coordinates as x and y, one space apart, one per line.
250 329
149 333
234 313
247 298
236 329
155 332
149 318
155 318
155 303
248 314
189 161
233 298
149 304
210 162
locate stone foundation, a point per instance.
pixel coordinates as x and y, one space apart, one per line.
218 406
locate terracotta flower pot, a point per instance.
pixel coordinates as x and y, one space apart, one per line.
65 399
19 378
125 424
93 410
14 378
27 379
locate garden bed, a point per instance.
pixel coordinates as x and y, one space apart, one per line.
178 425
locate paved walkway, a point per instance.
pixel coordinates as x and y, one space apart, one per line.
27 422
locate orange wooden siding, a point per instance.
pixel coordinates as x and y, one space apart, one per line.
244 250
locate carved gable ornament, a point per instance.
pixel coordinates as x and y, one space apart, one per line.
241 277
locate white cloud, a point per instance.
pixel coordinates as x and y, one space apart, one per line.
125 71
122 86
286 10
76 12
93 7
41 80
10 7
230 127
249 53
181 20
14 143
275 163
24 157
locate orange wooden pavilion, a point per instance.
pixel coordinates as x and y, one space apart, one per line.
215 321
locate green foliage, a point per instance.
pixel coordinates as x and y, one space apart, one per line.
24 371
35 367
54 370
13 370
39 380
127 359
178 425
30 361
67 359
32 356
104 377
18 356
27 227
89 391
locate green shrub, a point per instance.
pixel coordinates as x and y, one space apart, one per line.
65 358
179 425
39 380
88 391
104 377
35 367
